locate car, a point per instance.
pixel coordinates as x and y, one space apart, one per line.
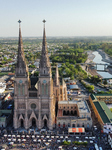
9 107
74 147
91 141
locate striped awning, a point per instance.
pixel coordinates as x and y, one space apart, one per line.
76 130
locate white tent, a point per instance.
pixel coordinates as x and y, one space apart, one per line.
76 130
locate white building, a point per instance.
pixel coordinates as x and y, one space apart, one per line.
110 139
107 128
2 87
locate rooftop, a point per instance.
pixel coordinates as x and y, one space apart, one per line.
74 87
103 111
93 97
103 94
82 105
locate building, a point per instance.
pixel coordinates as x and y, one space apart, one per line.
110 139
102 112
36 98
75 113
107 98
2 87
107 128
5 117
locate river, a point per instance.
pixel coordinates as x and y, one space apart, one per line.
98 59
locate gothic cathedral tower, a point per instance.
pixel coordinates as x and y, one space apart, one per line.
45 89
21 86
33 107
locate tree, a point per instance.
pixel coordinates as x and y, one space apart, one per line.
65 46
36 73
105 82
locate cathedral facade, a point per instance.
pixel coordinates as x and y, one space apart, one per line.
36 98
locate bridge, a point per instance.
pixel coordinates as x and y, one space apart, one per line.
93 63
96 64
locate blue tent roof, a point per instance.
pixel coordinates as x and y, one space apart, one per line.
74 86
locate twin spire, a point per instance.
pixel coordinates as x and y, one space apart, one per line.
21 67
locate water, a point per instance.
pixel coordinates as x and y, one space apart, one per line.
98 59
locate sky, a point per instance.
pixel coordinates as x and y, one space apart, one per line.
63 17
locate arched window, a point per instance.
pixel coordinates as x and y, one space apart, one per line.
73 125
42 89
83 125
33 122
68 112
64 113
46 89
72 113
21 123
78 125
23 90
19 89
75 113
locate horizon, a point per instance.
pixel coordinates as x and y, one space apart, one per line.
55 36
64 18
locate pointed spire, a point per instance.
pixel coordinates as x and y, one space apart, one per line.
21 67
44 60
20 43
44 44
57 76
44 35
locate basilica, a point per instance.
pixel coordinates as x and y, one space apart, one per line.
36 98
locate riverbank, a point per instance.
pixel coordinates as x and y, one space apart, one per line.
105 57
90 58
90 70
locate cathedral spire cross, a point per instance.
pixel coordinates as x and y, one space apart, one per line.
19 22
44 21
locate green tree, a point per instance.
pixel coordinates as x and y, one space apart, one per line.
105 82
